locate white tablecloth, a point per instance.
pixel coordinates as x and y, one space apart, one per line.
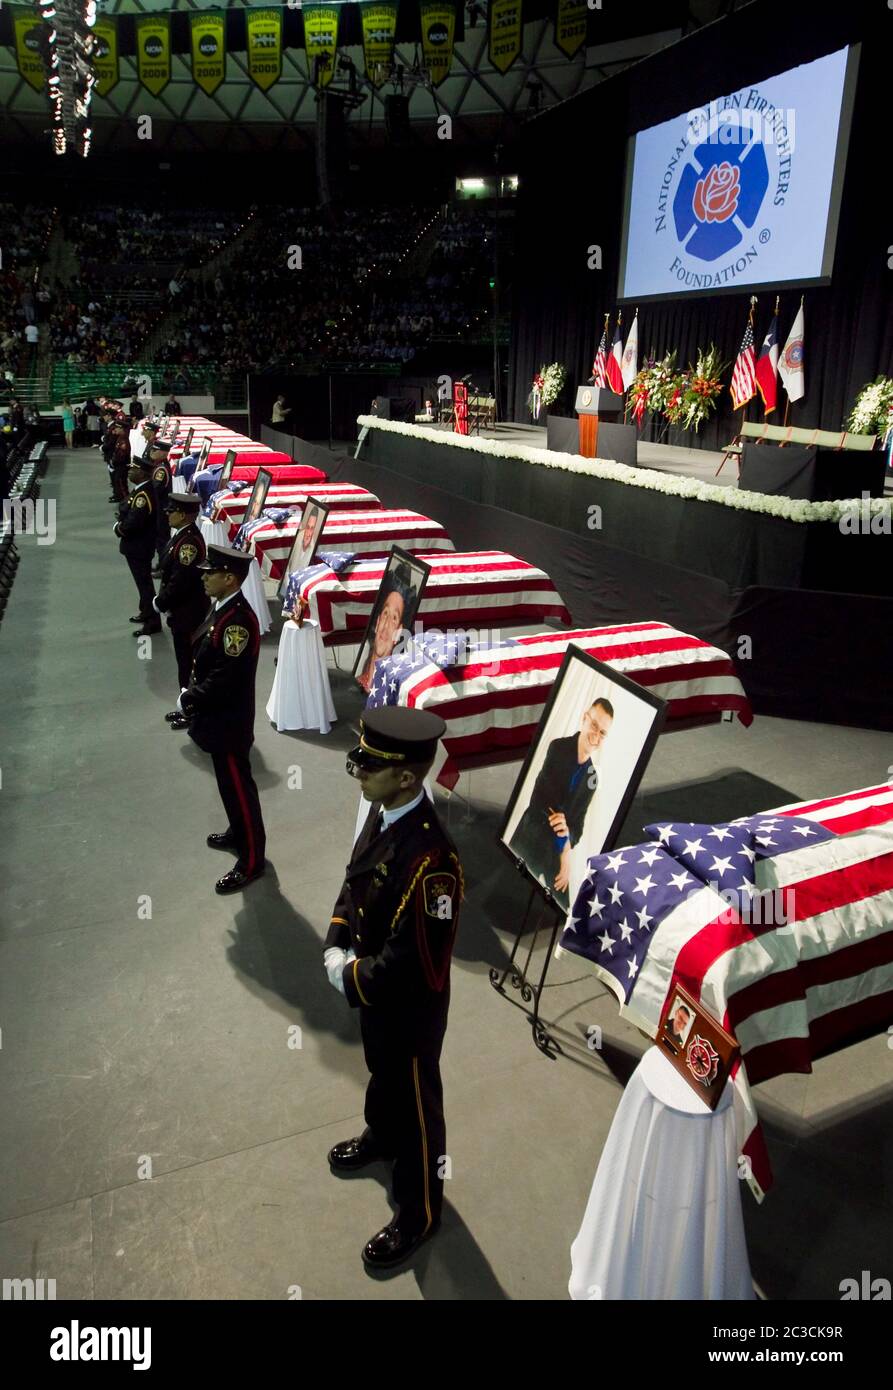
301 698
664 1215
214 532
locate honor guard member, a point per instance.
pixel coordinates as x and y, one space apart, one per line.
219 703
161 480
137 530
182 594
388 951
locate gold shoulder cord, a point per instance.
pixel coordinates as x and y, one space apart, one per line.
455 859
408 894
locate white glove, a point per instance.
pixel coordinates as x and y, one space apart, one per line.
155 605
180 709
335 960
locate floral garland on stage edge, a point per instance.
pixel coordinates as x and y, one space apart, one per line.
684 398
873 411
546 387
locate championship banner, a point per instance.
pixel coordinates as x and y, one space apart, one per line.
379 33
570 26
153 51
29 32
438 31
321 42
208 50
264 42
506 33
105 54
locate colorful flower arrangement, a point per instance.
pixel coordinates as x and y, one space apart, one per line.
546 387
873 411
682 398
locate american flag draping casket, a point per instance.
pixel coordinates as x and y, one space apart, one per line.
492 702
230 507
364 533
474 589
780 923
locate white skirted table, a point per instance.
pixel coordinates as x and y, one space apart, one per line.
664 1217
214 532
301 698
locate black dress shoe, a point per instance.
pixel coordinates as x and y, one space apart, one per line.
178 721
172 715
224 841
146 631
235 880
394 1244
352 1154
137 618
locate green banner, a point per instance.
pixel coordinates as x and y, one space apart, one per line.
570 26
105 54
208 50
321 42
506 33
438 33
29 32
153 51
379 32
264 31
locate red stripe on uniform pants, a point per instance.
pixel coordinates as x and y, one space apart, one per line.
249 828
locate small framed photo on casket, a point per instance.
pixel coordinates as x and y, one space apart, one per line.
306 542
229 464
592 745
188 440
202 460
393 612
258 495
696 1043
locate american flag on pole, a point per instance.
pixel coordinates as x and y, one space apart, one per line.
781 924
744 373
601 358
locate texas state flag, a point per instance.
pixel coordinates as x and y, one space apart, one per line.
613 367
767 368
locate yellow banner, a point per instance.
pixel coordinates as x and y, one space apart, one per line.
438 31
264 31
570 26
379 32
153 51
208 50
29 32
105 54
321 42
506 33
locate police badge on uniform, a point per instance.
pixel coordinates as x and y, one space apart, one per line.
186 554
160 475
140 500
235 640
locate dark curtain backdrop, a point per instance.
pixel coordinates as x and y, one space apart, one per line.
571 195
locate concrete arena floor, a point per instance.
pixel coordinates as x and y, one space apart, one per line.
130 1037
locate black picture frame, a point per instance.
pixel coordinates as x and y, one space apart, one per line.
403 585
203 454
188 440
322 515
604 680
258 497
229 464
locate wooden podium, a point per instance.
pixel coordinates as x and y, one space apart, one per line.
595 403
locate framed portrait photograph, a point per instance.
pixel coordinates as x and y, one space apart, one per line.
307 538
203 454
393 612
229 464
258 495
591 748
188 440
678 1021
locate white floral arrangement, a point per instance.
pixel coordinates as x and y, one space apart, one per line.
546 387
784 508
873 411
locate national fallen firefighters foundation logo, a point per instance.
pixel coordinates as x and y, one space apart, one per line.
702 1060
720 192
235 640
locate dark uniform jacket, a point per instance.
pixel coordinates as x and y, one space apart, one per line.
399 909
161 477
220 698
182 596
534 841
137 525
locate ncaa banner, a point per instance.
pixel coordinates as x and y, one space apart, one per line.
570 26
264 43
438 30
105 54
379 33
29 31
208 51
321 42
153 51
506 33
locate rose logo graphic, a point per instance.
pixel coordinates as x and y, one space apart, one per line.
716 195
719 196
